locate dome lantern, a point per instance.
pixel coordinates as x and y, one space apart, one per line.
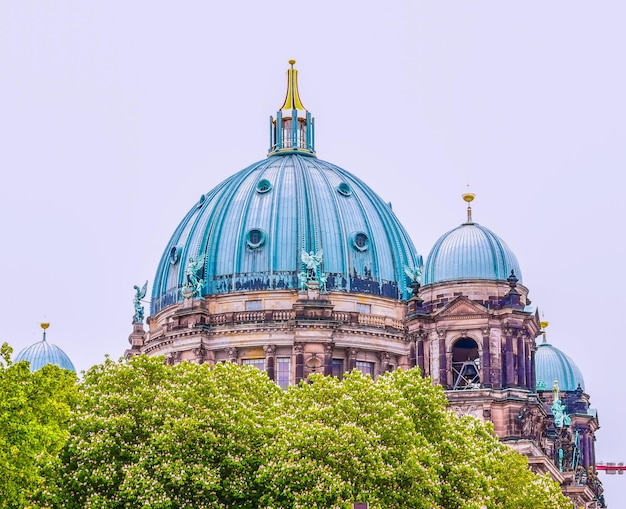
293 128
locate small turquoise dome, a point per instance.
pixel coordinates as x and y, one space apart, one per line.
254 230
552 364
42 353
470 251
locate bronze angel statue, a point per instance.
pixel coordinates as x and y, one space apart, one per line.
415 276
193 267
140 293
312 260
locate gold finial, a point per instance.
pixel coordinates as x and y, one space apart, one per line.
555 387
468 198
544 324
292 99
45 325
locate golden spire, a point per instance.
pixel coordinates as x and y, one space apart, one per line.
468 198
44 326
292 100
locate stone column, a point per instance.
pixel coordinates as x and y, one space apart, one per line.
299 350
270 361
352 358
420 356
443 365
384 358
486 358
509 378
412 350
521 360
533 373
328 358
529 368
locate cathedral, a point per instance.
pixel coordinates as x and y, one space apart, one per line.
295 266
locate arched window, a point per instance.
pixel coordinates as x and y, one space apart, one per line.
465 364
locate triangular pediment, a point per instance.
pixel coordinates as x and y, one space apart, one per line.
462 306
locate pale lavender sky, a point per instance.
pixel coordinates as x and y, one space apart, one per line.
116 116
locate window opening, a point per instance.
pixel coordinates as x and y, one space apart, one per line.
465 364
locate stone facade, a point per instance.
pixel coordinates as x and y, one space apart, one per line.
477 339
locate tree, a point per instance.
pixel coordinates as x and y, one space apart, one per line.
34 411
155 436
392 443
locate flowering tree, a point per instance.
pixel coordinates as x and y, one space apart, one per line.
34 410
393 444
149 435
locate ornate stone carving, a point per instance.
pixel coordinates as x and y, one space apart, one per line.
352 353
270 350
298 347
328 348
232 353
441 333
529 420
173 358
472 410
384 357
200 354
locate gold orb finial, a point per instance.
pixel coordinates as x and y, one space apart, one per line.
544 324
291 62
468 197
45 325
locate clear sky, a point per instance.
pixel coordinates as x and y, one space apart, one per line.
116 116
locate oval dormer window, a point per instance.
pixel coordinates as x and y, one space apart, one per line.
344 189
255 238
263 186
360 241
174 255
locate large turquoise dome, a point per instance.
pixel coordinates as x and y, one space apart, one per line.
470 251
43 353
251 231
552 364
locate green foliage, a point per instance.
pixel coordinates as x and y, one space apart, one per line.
156 436
34 411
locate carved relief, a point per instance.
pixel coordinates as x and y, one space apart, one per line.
270 350
173 358
232 353
472 410
200 354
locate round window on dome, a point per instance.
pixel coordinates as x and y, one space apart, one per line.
255 238
344 189
360 241
174 255
201 201
263 186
